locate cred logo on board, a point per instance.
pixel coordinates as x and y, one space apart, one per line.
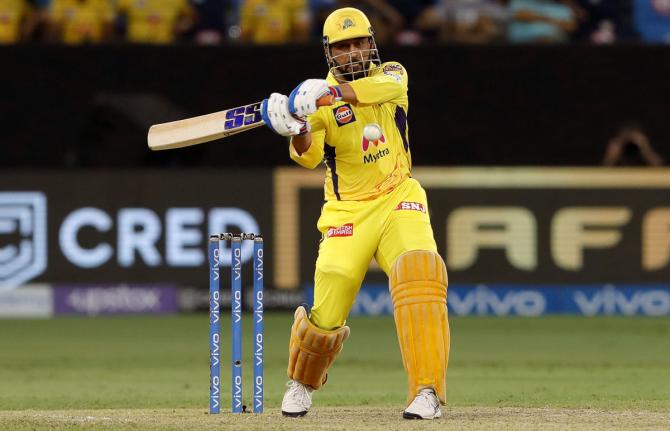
23 224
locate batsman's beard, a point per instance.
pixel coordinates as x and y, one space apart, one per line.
354 65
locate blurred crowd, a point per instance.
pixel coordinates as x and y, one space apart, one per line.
405 22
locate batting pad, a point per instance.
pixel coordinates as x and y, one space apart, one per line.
418 285
312 350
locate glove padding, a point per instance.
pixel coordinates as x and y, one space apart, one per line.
302 100
276 115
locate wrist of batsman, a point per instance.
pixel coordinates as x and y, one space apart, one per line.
336 92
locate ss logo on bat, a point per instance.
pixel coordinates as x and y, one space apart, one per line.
243 116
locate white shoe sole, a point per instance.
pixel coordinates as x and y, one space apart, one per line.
407 415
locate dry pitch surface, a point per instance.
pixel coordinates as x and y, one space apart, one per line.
341 418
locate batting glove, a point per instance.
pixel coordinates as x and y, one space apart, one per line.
276 115
302 100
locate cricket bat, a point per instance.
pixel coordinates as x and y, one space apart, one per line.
209 127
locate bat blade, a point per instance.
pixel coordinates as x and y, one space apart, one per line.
210 127
204 128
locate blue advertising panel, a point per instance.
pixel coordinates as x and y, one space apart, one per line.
530 300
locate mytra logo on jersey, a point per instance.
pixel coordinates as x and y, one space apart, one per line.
344 230
372 158
366 142
344 115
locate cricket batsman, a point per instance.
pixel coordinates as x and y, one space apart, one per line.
374 208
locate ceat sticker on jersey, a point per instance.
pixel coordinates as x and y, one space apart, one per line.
411 206
344 230
344 115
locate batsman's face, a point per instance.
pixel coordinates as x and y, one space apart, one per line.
351 56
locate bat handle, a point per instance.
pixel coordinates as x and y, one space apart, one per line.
326 100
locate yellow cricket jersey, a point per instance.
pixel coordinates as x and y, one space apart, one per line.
356 168
153 21
12 12
82 21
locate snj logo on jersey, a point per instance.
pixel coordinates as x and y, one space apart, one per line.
410 206
344 115
344 230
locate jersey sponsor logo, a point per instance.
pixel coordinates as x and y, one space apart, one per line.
366 142
393 68
411 206
344 115
372 158
394 76
394 71
344 230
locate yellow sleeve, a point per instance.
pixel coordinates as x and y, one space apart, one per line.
388 84
311 158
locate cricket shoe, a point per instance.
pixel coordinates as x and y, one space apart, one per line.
426 405
297 399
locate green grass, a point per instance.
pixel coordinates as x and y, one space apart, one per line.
162 362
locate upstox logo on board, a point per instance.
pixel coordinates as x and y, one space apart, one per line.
344 115
23 237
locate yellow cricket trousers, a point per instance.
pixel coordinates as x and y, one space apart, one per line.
353 232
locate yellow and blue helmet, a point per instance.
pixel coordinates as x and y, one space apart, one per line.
344 24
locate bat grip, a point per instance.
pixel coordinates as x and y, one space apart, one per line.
326 100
